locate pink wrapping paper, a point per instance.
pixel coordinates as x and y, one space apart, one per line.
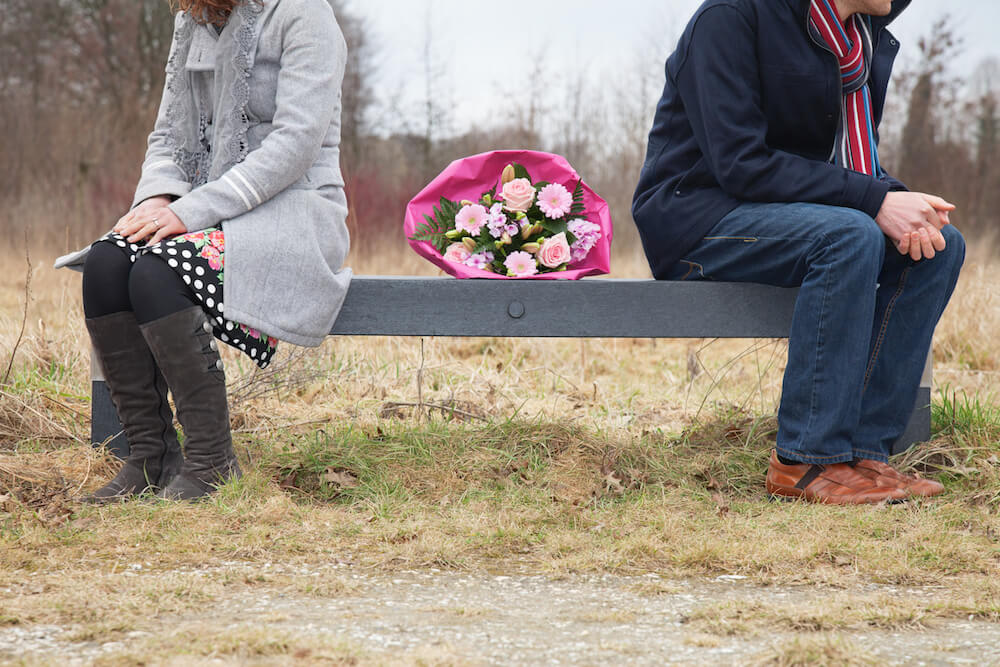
469 178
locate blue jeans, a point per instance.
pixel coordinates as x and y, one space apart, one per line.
863 320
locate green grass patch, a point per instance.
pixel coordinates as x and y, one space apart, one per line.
974 419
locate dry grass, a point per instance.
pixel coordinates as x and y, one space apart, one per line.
966 350
842 611
825 651
555 456
196 644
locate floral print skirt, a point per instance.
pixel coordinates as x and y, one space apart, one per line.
199 258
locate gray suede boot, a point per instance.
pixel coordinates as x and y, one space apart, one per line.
188 356
139 394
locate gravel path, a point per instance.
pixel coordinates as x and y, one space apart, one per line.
436 617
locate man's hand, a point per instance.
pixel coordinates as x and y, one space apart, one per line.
150 220
913 221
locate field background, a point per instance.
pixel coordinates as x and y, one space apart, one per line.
552 457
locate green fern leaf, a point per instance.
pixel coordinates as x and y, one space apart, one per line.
435 227
577 207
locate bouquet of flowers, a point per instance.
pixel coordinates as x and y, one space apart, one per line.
511 226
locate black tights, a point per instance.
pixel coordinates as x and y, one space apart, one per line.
112 283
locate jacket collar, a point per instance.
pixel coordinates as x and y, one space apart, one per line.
878 22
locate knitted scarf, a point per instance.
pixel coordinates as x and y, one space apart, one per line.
852 44
200 157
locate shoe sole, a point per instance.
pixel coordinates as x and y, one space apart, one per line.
774 497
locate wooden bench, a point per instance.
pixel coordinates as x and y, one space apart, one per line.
396 306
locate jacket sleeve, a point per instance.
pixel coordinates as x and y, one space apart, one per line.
160 174
895 185
731 127
310 74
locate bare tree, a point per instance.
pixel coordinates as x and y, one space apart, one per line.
437 115
358 89
920 166
985 109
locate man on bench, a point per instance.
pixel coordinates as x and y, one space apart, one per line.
763 166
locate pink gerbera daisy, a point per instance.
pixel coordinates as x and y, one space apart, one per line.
520 265
471 219
555 201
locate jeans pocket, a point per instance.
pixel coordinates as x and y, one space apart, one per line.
744 239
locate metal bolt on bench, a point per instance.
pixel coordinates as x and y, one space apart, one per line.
403 306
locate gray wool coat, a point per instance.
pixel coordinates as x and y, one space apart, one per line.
247 138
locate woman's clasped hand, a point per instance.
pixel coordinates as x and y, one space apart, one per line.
151 221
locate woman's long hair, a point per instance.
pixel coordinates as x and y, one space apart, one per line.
207 11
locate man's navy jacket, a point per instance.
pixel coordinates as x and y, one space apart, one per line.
750 114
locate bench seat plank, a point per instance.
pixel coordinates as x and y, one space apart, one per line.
406 306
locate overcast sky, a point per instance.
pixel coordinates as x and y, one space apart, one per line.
484 46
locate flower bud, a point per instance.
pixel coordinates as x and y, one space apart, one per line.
470 243
508 174
531 247
453 233
488 200
505 239
466 202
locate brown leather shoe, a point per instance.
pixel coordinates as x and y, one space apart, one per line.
884 474
831 484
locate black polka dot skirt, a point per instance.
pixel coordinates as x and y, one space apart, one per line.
199 258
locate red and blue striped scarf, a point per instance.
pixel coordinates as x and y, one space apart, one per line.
852 44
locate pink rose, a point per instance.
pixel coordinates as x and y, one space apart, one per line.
554 252
457 252
518 195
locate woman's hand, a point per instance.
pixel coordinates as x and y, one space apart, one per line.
151 221
913 220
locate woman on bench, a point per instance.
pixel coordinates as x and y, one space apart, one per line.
236 233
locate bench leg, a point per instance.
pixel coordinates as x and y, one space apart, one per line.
104 422
919 428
